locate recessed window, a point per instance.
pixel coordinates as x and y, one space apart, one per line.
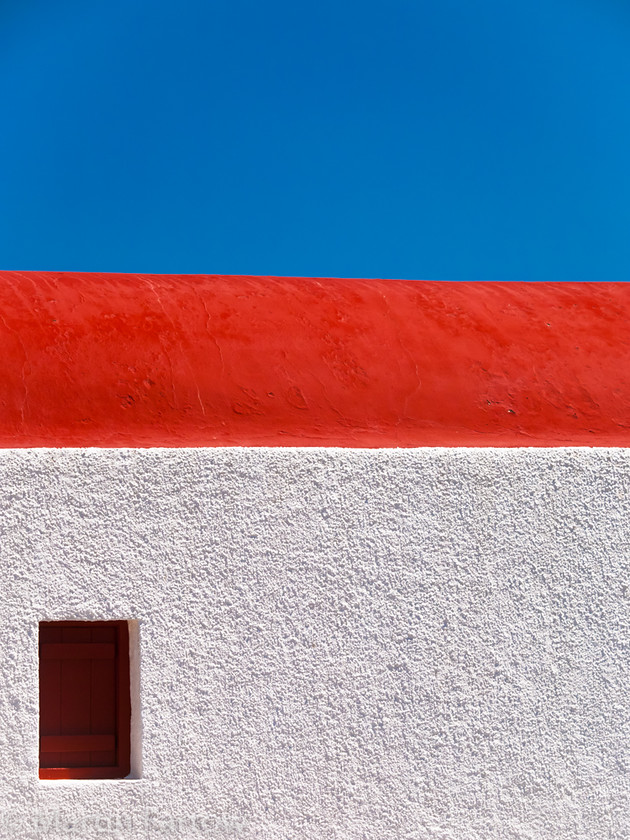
84 703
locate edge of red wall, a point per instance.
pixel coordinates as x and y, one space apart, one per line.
138 360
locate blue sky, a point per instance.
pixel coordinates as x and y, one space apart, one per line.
443 140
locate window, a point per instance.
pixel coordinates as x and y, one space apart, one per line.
84 703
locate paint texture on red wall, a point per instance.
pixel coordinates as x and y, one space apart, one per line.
115 360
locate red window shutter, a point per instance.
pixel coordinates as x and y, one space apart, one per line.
85 709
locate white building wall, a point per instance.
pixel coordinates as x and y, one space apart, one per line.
356 644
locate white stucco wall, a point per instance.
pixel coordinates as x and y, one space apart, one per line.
333 643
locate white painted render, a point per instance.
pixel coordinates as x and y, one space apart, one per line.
356 644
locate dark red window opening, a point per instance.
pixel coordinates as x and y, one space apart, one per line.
84 701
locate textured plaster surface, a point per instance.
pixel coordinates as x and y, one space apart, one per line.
141 360
333 643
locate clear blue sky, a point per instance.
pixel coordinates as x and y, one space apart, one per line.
447 140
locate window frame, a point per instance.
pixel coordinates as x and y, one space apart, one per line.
122 766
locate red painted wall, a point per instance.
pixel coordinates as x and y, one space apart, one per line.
156 360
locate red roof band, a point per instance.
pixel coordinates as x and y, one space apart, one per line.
161 360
